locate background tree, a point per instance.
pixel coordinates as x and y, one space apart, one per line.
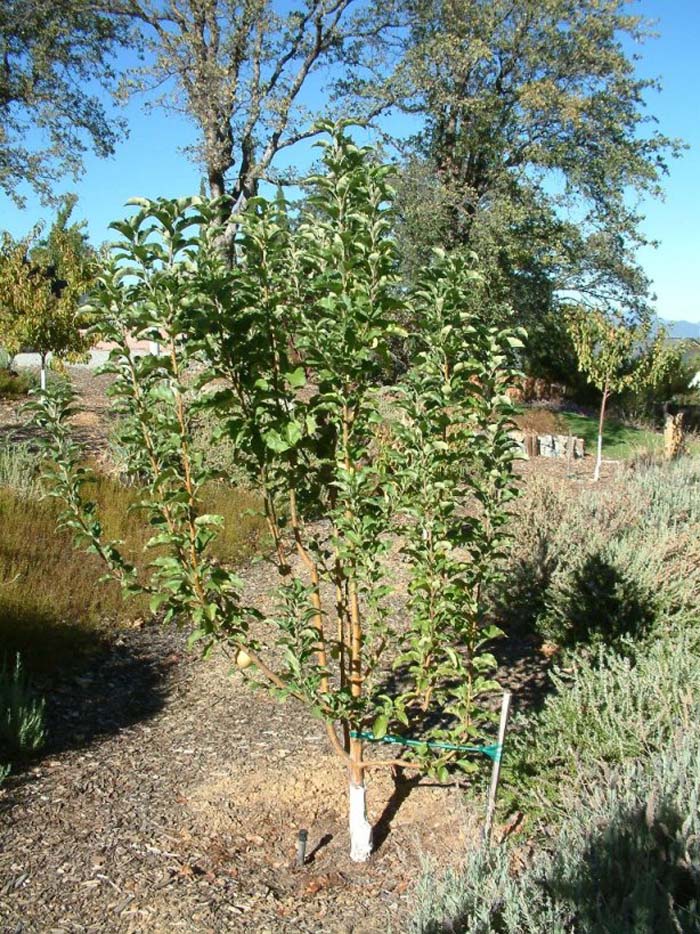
536 134
615 355
51 52
42 283
240 70
285 348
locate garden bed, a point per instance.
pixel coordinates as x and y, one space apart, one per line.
170 795
169 799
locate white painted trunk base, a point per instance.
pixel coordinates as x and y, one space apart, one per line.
360 828
43 377
599 459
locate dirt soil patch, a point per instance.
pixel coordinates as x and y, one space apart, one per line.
93 424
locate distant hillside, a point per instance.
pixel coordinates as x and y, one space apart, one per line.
681 329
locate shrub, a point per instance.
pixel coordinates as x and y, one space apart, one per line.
625 861
295 340
14 385
216 447
612 761
611 710
21 714
19 469
541 421
600 565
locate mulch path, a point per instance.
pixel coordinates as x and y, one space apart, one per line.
169 799
93 424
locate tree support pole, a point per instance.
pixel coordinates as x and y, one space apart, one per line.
496 769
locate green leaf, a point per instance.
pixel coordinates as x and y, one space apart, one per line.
157 600
274 441
380 726
297 378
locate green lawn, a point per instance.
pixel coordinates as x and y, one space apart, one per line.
619 441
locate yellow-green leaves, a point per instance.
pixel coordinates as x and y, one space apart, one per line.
42 283
616 355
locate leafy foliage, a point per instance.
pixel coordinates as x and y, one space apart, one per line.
41 285
286 347
51 53
535 130
616 355
453 464
21 714
625 860
598 566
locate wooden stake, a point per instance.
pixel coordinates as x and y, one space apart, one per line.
496 768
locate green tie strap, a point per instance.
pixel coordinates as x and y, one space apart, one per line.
493 752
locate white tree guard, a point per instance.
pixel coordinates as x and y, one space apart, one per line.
360 828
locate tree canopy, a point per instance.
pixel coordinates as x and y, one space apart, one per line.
239 71
42 282
536 143
615 355
53 56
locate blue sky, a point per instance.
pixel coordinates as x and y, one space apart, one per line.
675 266
151 163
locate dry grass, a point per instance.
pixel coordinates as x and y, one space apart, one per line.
541 422
15 385
54 608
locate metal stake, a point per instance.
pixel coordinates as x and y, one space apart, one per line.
302 837
496 768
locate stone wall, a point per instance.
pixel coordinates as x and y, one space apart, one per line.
532 445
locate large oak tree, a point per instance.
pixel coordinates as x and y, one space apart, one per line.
54 55
536 146
240 70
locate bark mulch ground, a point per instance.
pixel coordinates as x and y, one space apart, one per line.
169 799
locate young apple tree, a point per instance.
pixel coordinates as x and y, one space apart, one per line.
288 348
615 356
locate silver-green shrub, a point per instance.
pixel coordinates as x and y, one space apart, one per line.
625 861
611 762
600 565
611 711
19 468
